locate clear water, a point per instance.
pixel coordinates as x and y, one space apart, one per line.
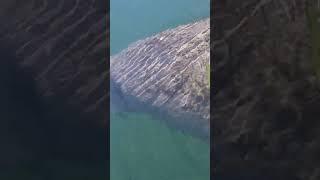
142 147
131 20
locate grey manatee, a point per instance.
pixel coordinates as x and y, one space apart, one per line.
167 74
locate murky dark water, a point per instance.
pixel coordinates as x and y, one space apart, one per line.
42 139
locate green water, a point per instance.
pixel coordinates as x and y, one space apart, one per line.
142 147
131 20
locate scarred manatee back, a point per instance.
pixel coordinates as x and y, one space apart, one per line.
168 72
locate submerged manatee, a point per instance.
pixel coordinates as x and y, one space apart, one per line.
168 74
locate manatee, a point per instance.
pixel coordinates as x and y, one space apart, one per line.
167 74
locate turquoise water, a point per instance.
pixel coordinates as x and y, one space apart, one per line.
131 20
142 147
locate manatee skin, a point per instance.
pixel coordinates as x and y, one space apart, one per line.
167 73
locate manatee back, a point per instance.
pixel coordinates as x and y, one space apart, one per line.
169 72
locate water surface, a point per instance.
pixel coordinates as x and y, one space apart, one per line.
131 20
143 147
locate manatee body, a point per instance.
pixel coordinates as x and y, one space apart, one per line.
167 73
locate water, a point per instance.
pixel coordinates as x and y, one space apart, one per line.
142 147
131 20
